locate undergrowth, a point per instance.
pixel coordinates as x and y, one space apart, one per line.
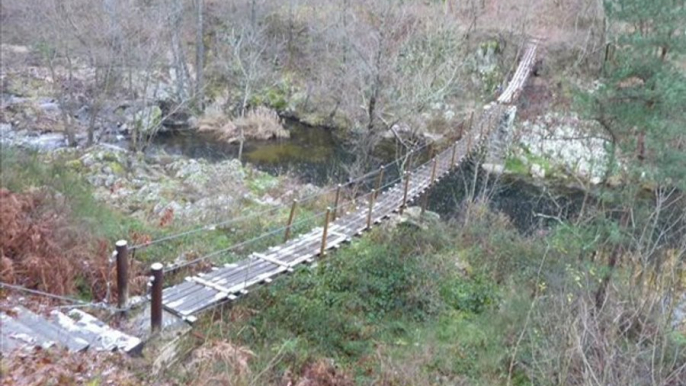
471 302
55 236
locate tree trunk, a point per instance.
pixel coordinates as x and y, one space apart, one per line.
177 49
240 146
253 14
66 115
376 88
289 42
116 39
601 293
200 56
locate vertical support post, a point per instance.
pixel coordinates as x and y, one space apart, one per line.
335 204
469 143
425 203
407 185
372 196
122 274
290 221
452 157
471 121
379 181
325 233
156 297
409 160
433 170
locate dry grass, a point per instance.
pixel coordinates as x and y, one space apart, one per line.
41 248
322 373
57 367
260 123
221 363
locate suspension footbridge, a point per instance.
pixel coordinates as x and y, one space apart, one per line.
229 282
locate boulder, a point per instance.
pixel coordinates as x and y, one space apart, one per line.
148 119
412 216
494 168
537 171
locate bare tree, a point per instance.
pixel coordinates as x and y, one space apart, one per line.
200 55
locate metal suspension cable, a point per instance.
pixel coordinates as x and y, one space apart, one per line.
267 211
274 209
207 227
74 301
271 233
239 245
228 222
281 229
42 293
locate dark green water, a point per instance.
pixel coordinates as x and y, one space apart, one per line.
529 206
313 154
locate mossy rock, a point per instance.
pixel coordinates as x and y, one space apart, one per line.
117 168
313 119
276 99
108 156
516 165
148 119
490 46
75 165
491 80
263 182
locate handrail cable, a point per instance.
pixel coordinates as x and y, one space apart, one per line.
278 230
270 210
176 267
75 302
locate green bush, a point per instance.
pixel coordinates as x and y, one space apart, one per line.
470 295
370 290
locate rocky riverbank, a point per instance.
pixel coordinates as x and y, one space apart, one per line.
165 188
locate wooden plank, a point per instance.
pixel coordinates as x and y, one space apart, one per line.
271 260
209 284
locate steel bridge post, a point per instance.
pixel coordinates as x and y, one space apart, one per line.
122 275
156 297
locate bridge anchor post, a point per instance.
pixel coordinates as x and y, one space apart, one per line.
425 203
156 297
325 233
433 170
379 181
407 185
290 221
122 275
372 196
335 204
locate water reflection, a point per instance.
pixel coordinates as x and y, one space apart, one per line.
313 154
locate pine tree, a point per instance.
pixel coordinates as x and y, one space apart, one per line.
642 104
642 107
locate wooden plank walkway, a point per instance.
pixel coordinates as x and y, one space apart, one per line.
227 283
